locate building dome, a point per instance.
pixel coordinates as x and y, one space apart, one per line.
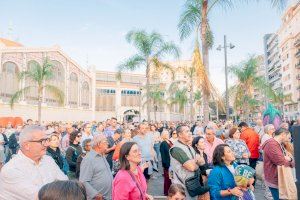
9 43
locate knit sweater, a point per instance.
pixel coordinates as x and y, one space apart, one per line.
273 157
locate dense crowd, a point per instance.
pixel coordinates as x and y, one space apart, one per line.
111 160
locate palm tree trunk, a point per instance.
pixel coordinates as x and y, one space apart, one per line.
205 56
191 102
148 91
40 99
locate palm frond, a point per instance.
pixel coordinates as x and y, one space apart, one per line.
132 63
158 67
16 96
168 48
56 92
190 19
141 41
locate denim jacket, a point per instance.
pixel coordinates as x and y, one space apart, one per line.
220 178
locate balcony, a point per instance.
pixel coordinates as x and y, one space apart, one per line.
297 43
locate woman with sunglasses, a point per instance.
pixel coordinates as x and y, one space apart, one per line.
72 153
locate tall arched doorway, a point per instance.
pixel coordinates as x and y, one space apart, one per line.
131 115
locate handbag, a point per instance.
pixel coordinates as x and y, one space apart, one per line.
193 185
286 183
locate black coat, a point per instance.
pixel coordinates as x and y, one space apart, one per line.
57 156
72 153
165 155
13 143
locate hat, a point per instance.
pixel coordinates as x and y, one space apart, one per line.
242 175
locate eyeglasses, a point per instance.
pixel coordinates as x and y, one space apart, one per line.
42 141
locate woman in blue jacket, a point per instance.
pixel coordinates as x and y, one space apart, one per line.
221 178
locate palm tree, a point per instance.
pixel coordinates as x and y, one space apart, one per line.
151 50
178 96
243 91
279 99
190 72
198 99
39 75
156 97
195 18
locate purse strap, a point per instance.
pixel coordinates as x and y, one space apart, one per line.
138 186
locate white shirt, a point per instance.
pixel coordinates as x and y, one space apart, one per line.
21 178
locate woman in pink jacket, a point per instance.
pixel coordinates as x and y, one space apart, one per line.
130 183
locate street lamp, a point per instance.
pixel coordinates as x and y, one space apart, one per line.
231 46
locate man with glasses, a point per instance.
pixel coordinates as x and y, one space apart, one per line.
30 169
211 141
95 171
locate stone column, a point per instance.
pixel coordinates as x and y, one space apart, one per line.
118 103
23 81
67 77
79 90
93 93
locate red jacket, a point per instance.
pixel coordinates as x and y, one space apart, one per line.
273 157
251 138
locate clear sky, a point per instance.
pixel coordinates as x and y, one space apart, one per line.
92 31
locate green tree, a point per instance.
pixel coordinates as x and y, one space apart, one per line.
156 98
178 96
195 18
190 73
151 49
247 81
39 75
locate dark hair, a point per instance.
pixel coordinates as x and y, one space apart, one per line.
232 132
280 131
174 189
124 151
63 190
195 142
73 136
218 154
28 120
119 131
114 118
243 124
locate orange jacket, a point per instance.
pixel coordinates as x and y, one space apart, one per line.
251 138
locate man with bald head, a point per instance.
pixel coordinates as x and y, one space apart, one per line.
23 176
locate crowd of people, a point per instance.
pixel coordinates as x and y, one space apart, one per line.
112 160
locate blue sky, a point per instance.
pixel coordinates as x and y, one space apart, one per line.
94 30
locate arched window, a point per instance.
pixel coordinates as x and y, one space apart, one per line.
85 95
73 90
58 80
9 82
31 96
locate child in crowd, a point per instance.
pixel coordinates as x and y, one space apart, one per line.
176 192
244 180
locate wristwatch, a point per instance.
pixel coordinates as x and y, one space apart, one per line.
229 190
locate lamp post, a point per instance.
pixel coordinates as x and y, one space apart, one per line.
140 101
231 46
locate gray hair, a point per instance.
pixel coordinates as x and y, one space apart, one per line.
27 133
268 127
98 139
210 126
86 141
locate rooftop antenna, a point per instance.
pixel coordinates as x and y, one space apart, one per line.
10 30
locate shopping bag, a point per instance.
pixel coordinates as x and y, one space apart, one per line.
286 184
